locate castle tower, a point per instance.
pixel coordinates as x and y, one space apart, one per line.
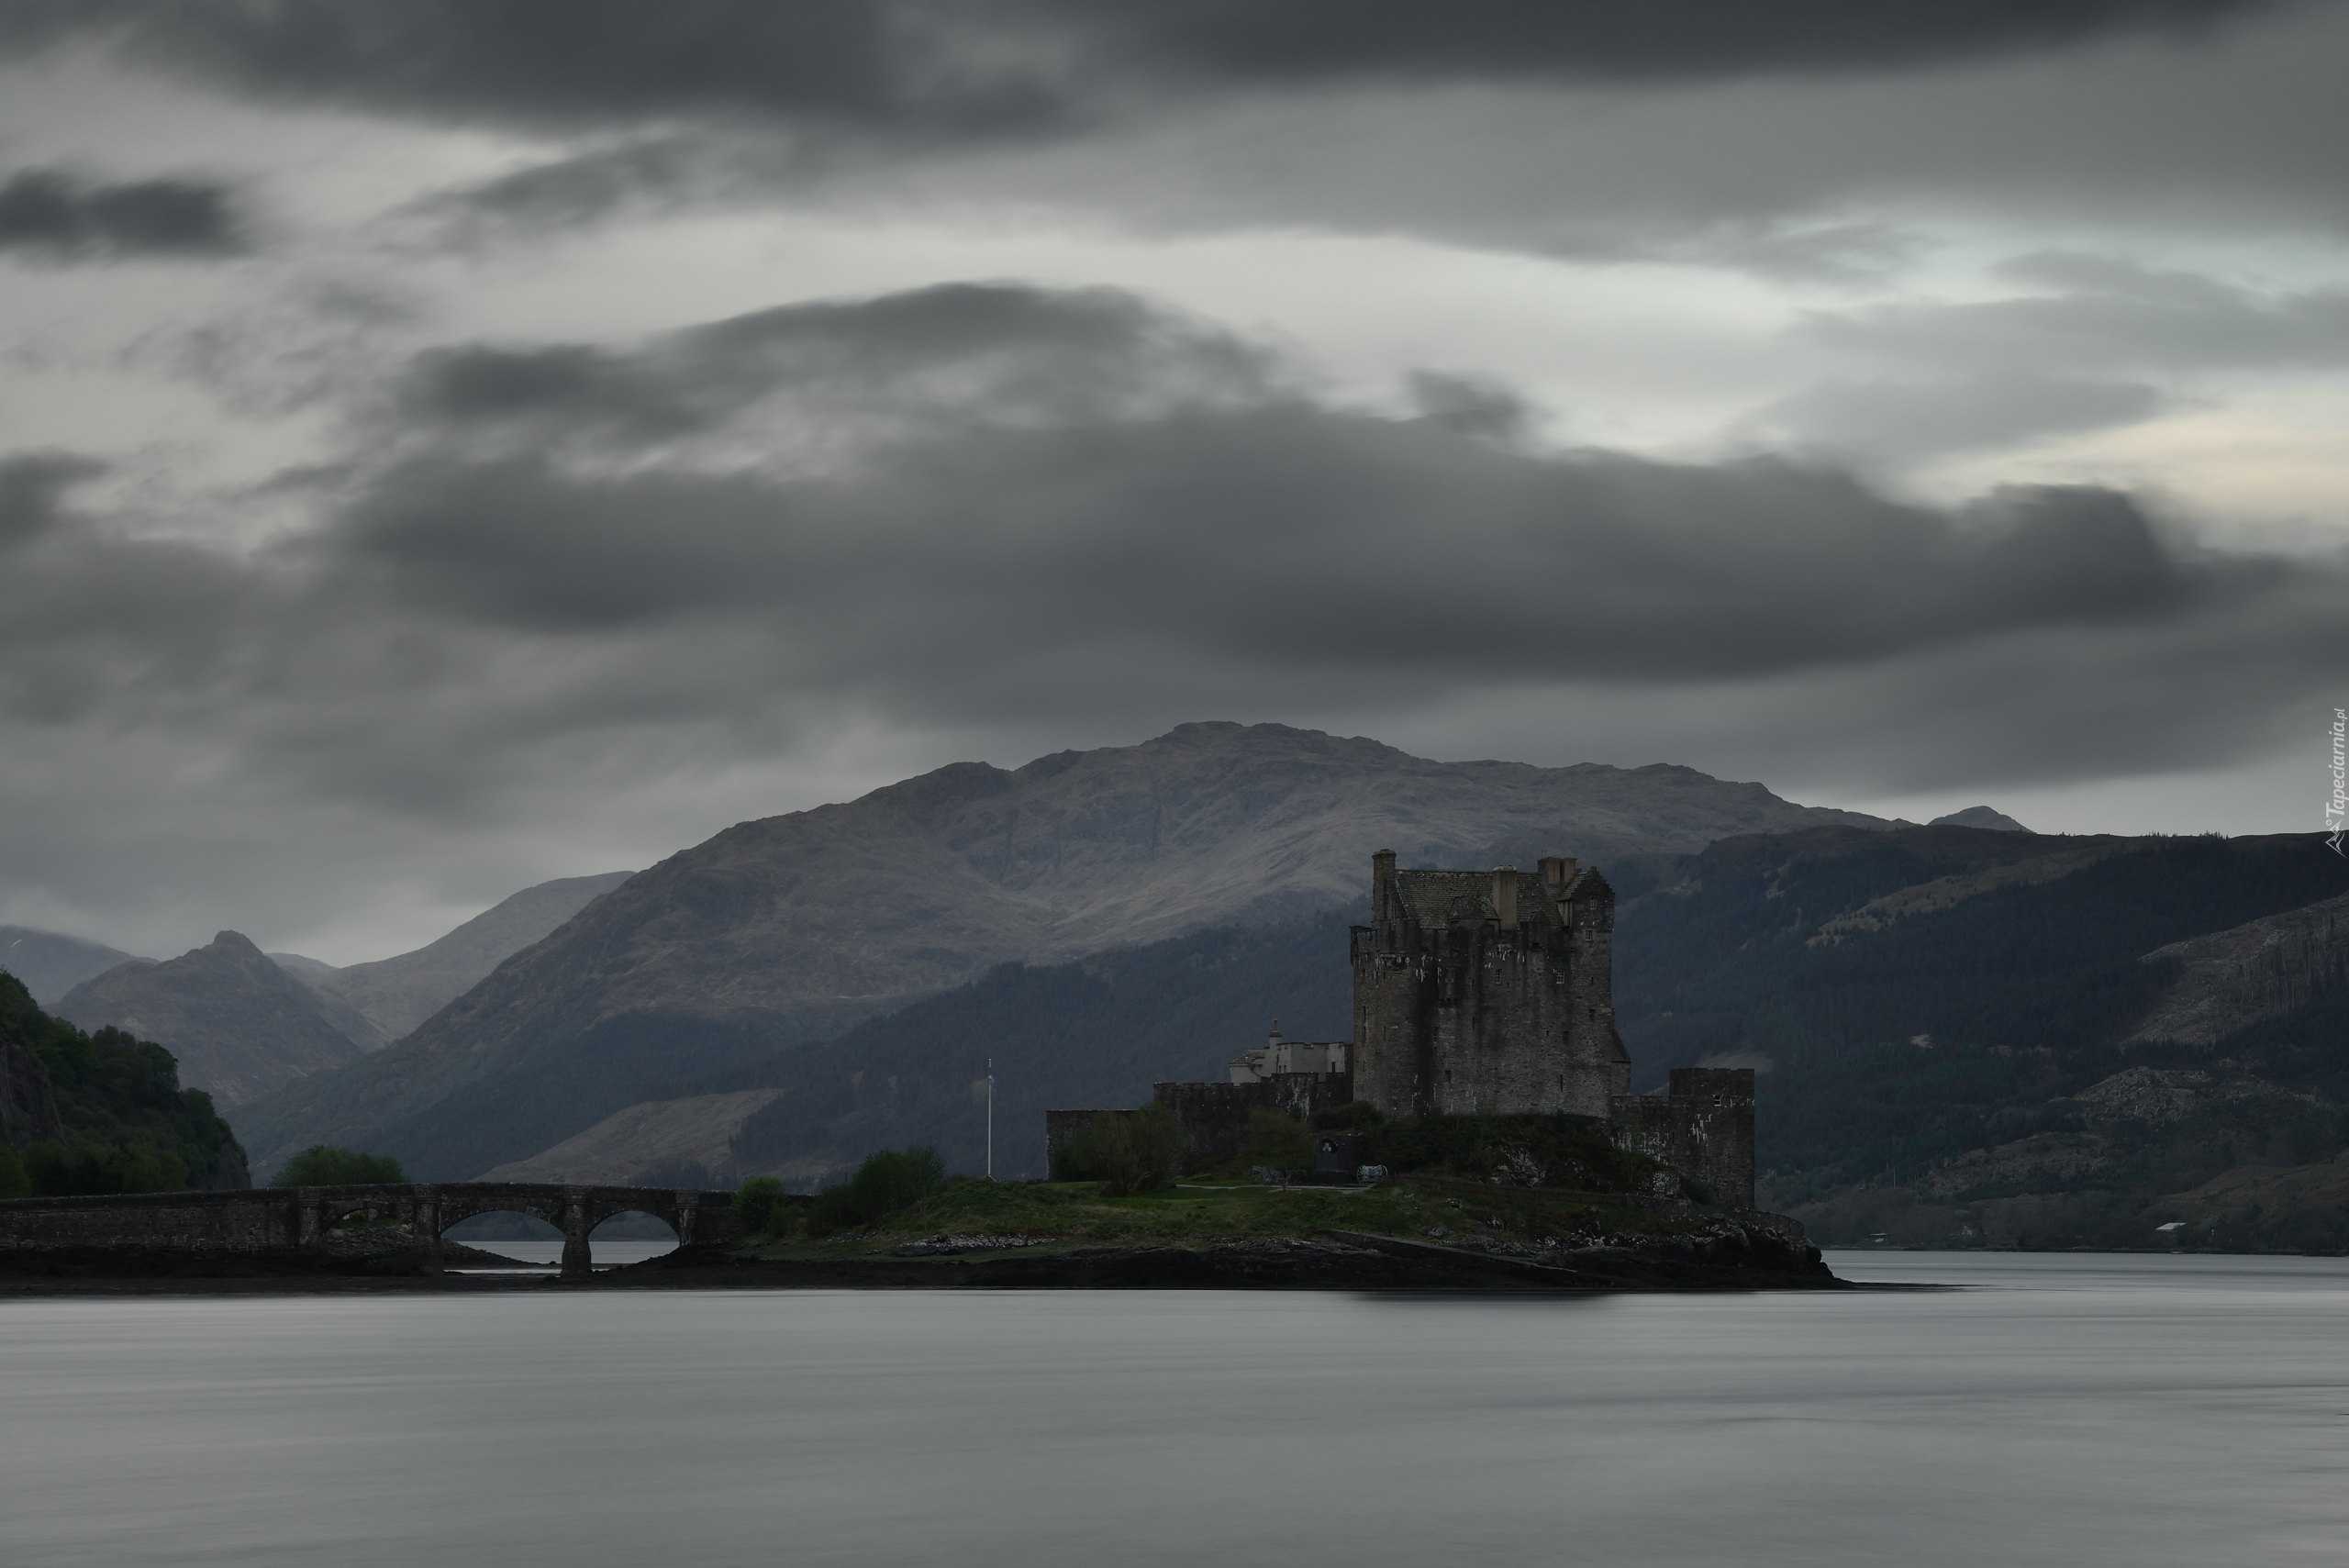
1487 991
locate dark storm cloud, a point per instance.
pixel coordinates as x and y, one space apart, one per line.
60 216
970 353
1320 40
31 487
962 68
530 548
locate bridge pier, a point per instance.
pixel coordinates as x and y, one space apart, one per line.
577 1257
426 1225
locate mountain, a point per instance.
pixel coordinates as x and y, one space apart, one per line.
395 995
1097 1031
789 929
51 963
241 1027
100 1112
1961 1034
1979 817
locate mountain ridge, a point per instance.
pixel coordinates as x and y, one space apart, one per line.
786 930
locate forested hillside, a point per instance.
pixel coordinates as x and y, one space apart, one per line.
100 1112
1942 1019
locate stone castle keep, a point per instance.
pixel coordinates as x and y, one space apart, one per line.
1487 991
1483 992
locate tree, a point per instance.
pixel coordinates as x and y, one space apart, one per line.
324 1165
1127 1151
1280 1142
762 1205
888 1180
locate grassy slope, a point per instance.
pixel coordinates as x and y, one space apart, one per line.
1078 1214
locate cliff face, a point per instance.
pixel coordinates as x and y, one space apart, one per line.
240 1026
28 1107
792 927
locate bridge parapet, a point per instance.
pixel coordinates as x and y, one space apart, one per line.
283 1219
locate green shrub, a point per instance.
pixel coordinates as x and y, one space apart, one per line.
1352 1116
764 1209
1127 1151
891 1180
324 1165
56 1170
1282 1143
14 1182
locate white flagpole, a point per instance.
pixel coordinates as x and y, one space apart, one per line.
990 1118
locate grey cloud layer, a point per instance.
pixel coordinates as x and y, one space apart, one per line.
64 217
567 543
979 67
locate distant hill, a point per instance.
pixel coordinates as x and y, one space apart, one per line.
395 995
1979 817
245 1024
790 929
100 1112
1098 1031
50 963
1961 1034
1953 1027
240 1026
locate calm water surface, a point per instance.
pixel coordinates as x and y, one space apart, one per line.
2065 1410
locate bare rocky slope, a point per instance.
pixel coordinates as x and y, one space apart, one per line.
792 928
241 1027
2231 980
395 995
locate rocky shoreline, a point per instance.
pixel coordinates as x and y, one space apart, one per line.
1728 1257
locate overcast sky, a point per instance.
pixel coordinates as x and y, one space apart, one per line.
447 444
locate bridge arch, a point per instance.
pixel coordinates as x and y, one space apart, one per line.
275 1219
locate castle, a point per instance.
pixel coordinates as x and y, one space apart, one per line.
1483 992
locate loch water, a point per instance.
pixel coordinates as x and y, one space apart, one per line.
2069 1409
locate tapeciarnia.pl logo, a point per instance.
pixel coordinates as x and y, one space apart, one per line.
2336 810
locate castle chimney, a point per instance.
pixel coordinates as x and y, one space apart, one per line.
1276 1033
1505 896
1557 869
1382 877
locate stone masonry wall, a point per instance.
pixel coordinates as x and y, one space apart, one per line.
1499 1004
1702 1126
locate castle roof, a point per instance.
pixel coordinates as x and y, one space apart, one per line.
1465 897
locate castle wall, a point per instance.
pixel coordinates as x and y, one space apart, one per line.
1213 1115
1702 1126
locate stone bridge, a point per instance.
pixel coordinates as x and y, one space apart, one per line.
289 1219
